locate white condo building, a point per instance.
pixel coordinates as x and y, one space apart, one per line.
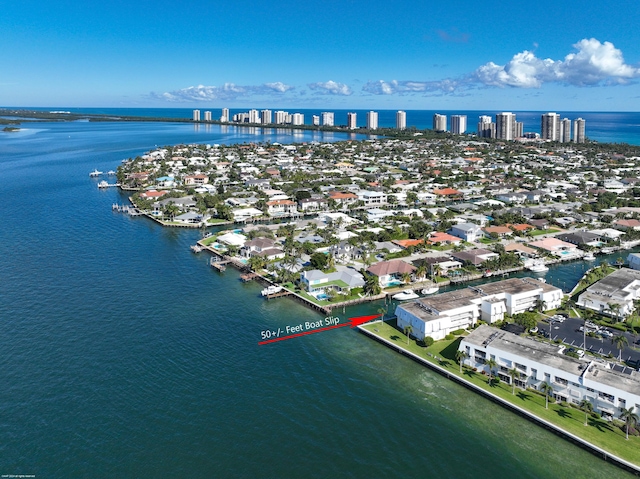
315 120
401 120
224 117
297 119
486 127
439 122
579 130
550 127
327 118
281 117
439 315
372 120
506 126
351 121
458 124
265 117
254 116
608 387
196 115
565 130
207 116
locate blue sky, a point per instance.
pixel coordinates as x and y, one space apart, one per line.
544 55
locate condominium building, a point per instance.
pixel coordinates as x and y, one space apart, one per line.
327 118
254 116
224 117
265 117
351 121
506 126
401 120
579 130
207 116
439 122
458 124
439 315
315 120
196 115
550 127
609 387
486 127
297 119
281 117
372 120
565 130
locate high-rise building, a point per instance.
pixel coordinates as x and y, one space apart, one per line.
505 126
224 117
458 124
401 120
550 127
486 127
565 130
519 130
351 121
254 116
297 119
315 120
372 120
579 130
281 117
439 122
265 117
207 116
196 115
327 118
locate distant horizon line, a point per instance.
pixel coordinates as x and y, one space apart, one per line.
298 108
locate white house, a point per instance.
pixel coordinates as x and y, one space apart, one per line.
372 198
613 295
467 231
439 315
608 387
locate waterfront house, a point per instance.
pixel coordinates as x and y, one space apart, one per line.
555 246
262 247
613 295
281 207
608 387
390 273
475 256
581 238
343 280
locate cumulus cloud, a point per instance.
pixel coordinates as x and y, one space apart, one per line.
594 63
228 91
330 88
382 87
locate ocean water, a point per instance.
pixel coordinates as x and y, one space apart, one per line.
123 354
605 127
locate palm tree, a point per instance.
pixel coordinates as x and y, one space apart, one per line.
619 262
513 372
491 363
460 357
408 330
382 312
615 310
547 389
372 285
436 270
629 417
620 341
587 407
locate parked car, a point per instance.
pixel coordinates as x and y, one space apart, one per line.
534 330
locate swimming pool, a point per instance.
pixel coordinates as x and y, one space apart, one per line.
322 296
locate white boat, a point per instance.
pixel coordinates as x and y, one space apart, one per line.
95 173
432 290
196 248
403 296
537 267
273 289
589 257
111 173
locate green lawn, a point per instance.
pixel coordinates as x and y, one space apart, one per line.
215 221
543 232
599 432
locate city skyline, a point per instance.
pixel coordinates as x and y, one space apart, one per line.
420 56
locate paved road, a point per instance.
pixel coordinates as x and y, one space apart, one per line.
569 333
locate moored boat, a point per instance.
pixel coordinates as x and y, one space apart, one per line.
273 289
537 267
95 173
432 290
589 257
405 295
196 248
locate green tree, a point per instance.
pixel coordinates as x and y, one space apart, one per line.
371 285
620 342
319 261
408 329
382 312
547 390
629 417
586 406
460 357
491 363
513 373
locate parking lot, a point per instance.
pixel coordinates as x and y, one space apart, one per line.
569 332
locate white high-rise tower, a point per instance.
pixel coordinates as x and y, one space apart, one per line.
401 120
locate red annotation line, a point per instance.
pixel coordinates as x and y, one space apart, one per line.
353 322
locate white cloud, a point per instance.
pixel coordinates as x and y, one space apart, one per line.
330 88
594 63
382 87
228 91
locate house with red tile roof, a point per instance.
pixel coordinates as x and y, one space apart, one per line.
153 194
280 207
443 238
449 192
404 244
390 273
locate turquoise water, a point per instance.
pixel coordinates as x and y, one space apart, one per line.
126 355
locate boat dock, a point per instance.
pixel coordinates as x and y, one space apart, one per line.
220 265
249 277
279 294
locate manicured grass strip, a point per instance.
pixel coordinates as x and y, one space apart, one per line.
599 432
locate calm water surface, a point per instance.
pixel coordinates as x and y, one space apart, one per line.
125 355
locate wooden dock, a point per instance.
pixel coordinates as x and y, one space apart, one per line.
279 294
219 265
249 277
